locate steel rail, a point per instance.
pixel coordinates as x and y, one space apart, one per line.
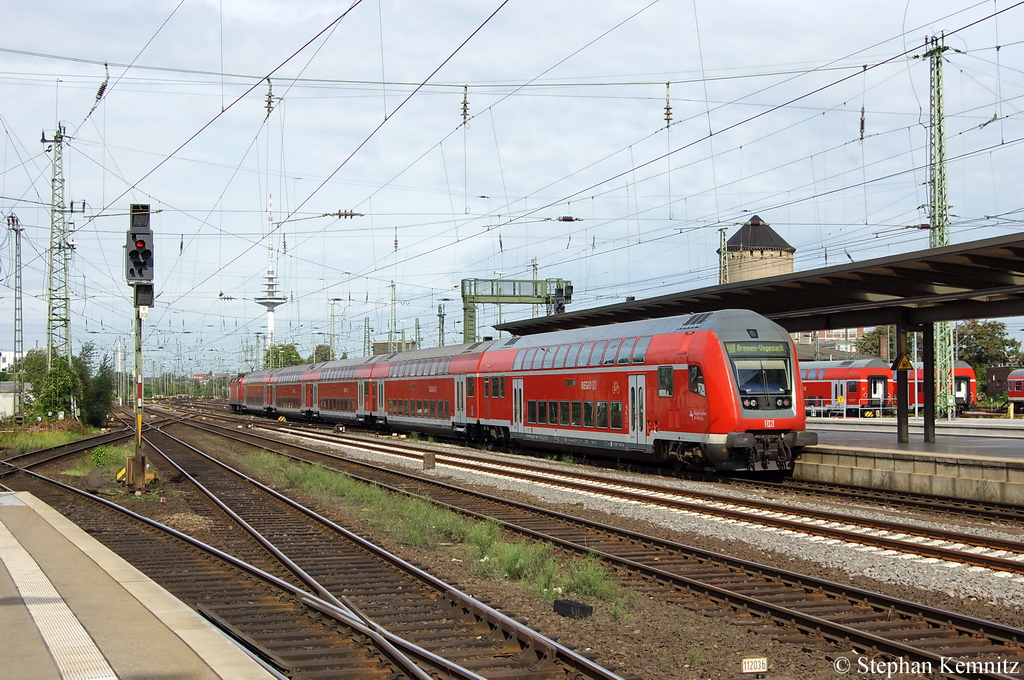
388 643
531 638
839 632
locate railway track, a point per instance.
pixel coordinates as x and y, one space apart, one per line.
790 606
388 592
291 631
955 547
33 458
971 509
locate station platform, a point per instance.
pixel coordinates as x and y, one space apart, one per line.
74 610
978 461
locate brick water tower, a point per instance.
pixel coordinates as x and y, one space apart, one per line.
756 251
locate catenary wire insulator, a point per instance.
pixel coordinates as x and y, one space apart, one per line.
668 106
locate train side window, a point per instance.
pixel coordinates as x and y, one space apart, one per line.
563 413
640 351
470 387
584 357
433 408
697 381
553 412
542 412
528 361
487 387
560 356
538 358
577 413
602 414
588 414
598 353
609 354
531 411
666 386
851 386
616 415
625 351
502 384
447 365
518 363
549 357
570 358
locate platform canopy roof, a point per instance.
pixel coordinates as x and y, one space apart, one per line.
977 280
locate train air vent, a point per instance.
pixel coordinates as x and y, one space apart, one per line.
696 320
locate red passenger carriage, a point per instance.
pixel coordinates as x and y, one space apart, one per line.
714 390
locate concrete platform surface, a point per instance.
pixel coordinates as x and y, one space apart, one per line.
71 609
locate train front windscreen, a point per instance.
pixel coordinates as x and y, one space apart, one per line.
763 372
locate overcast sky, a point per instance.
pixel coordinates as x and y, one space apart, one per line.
812 115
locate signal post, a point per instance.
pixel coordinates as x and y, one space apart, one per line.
138 269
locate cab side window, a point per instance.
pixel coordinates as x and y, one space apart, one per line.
697 380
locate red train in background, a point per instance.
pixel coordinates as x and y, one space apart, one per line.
1015 386
714 390
867 387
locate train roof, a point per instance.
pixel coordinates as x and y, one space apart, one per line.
729 323
848 363
430 353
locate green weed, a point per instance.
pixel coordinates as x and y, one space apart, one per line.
536 566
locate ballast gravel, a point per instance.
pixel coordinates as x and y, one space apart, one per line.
957 581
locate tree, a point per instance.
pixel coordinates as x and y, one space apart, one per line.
875 339
59 388
983 344
98 394
33 366
321 353
282 355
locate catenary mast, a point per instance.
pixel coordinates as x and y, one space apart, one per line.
939 220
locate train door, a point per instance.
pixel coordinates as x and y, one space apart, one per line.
309 397
517 405
460 399
839 393
961 389
378 407
638 409
361 392
268 401
877 389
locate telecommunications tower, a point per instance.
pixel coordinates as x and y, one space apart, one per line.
272 298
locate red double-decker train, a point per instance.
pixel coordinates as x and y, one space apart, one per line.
715 390
867 387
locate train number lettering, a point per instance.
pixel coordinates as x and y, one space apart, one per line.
769 424
588 385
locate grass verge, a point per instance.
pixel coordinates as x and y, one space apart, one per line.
20 441
101 457
536 566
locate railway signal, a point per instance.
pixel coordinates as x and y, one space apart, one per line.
138 271
138 261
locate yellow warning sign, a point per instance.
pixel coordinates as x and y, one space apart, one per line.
903 364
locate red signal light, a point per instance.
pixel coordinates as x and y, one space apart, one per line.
140 244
